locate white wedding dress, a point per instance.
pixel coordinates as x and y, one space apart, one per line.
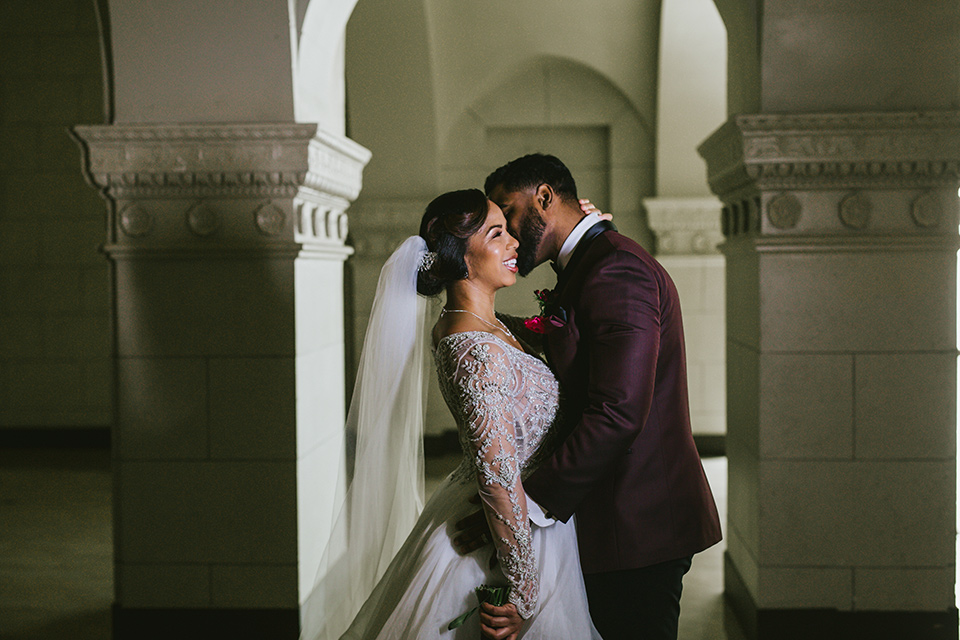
505 403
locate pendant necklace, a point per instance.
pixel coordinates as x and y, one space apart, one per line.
502 326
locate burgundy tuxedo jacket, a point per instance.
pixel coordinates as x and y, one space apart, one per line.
628 467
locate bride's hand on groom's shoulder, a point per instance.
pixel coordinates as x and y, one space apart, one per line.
588 207
500 623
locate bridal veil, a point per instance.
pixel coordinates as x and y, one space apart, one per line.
385 497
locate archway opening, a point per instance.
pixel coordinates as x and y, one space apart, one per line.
441 106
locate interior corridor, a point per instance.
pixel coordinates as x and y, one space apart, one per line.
56 553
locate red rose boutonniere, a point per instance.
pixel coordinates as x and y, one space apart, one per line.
544 297
551 317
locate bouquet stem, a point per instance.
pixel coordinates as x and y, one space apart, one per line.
497 596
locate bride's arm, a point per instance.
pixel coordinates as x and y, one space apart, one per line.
487 385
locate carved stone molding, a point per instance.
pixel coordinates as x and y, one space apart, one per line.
859 243
270 219
261 173
784 211
834 151
320 219
238 159
685 226
289 250
855 210
927 210
156 161
816 175
202 219
335 166
134 221
739 217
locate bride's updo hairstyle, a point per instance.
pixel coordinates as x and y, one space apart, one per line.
446 225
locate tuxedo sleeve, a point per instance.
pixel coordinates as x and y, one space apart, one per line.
619 318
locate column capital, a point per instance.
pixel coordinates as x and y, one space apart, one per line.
825 151
223 188
685 226
852 175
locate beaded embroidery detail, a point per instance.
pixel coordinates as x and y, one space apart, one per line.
504 402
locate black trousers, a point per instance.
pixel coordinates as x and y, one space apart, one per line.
637 604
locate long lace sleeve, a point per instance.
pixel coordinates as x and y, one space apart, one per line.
488 386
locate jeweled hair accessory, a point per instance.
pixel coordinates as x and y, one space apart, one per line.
427 260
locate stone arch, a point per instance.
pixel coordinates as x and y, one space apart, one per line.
390 97
691 94
741 19
684 215
318 40
570 110
564 102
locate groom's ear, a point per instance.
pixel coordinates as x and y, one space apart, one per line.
545 196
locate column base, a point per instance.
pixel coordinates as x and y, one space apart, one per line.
204 624
831 624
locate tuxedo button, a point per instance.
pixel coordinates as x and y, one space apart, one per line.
630 450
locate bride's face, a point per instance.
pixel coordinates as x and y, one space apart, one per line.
492 252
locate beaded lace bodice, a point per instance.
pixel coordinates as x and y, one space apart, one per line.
504 402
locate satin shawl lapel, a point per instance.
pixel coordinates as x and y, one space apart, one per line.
578 253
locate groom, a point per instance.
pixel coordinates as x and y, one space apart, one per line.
628 468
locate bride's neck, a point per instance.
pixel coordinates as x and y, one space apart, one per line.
463 294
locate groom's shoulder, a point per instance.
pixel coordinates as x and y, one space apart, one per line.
613 245
620 242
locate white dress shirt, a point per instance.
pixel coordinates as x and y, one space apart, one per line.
568 246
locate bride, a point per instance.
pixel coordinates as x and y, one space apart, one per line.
389 574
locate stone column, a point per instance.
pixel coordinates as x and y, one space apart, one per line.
841 241
226 245
687 233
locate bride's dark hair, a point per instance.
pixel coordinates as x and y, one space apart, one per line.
446 225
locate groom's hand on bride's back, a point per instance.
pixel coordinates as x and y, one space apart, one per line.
472 532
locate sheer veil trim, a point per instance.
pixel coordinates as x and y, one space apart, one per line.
385 420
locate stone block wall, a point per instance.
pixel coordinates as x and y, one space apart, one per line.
688 232
840 246
54 302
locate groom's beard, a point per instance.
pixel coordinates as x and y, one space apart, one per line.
531 232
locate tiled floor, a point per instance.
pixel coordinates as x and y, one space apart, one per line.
56 549
56 578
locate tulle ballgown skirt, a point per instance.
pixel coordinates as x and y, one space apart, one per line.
429 584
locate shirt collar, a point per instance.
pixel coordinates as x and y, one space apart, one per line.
566 250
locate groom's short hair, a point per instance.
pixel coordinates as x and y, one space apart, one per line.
532 171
